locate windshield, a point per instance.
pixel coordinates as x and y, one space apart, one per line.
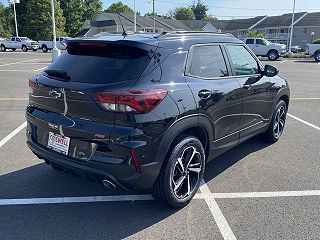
25 39
93 62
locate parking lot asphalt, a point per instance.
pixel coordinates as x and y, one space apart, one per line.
255 191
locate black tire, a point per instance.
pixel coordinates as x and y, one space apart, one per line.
276 126
317 56
44 48
178 174
24 48
3 48
273 55
13 49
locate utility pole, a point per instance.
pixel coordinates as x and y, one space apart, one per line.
291 29
55 52
154 17
135 16
15 14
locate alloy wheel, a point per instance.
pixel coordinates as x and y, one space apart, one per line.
186 173
272 56
279 122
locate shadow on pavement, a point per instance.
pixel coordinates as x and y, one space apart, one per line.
111 220
231 157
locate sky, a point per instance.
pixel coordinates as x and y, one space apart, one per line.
225 9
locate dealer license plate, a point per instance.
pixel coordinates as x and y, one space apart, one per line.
58 143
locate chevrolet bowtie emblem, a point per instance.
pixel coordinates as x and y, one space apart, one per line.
54 94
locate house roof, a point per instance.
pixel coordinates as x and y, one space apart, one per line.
311 19
279 21
145 22
104 18
83 32
234 24
173 24
194 24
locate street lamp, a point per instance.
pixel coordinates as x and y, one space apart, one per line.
13 2
55 52
292 22
312 35
135 16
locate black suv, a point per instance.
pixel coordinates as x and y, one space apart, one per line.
148 111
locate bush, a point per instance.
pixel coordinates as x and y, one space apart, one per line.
295 55
317 41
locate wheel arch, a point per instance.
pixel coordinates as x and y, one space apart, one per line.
196 125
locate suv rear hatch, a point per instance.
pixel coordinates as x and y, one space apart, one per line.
61 98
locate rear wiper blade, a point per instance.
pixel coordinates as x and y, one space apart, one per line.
63 75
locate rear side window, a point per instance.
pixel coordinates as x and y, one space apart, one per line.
207 62
242 60
99 63
250 41
261 42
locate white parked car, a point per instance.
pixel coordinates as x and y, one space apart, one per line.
15 43
264 48
314 51
48 45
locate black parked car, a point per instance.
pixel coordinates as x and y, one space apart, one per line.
148 111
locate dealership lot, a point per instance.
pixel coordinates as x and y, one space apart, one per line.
255 191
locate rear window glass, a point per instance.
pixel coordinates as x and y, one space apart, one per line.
100 63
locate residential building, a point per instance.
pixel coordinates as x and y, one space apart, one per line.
275 28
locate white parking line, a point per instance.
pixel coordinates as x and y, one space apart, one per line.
303 121
266 194
283 61
37 201
11 135
220 220
7 64
39 69
205 195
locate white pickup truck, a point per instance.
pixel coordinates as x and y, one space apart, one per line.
48 45
15 43
262 47
314 51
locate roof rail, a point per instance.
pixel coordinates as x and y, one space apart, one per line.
195 33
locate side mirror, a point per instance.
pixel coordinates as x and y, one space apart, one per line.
270 71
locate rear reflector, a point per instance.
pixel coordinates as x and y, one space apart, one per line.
133 101
135 160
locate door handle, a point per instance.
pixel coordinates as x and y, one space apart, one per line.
204 94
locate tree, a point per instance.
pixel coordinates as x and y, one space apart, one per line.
183 13
255 34
73 11
199 9
6 21
37 22
317 41
91 9
119 7
209 18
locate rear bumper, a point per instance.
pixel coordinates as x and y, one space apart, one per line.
115 165
123 176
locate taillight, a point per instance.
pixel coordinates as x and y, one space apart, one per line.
134 101
32 84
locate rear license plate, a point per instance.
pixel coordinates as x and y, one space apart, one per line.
58 143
